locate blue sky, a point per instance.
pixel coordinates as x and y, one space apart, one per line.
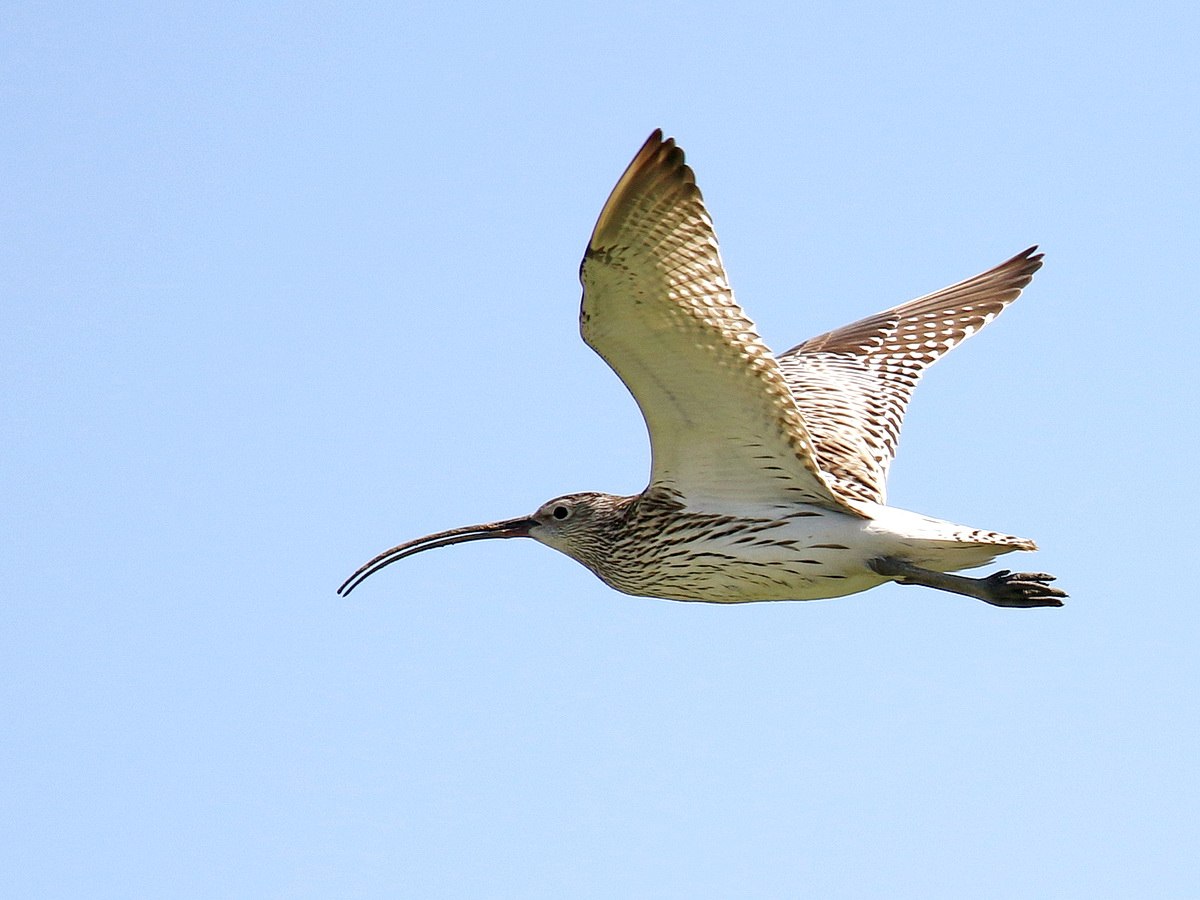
286 284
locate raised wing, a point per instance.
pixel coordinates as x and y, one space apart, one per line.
657 307
853 384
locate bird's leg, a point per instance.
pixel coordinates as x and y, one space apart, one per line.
1004 588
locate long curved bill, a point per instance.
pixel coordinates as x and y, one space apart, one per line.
509 528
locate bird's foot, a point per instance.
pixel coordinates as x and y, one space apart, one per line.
1016 590
1021 590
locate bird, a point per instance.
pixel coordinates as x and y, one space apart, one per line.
768 473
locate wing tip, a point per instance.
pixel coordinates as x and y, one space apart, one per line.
1017 271
658 157
1024 263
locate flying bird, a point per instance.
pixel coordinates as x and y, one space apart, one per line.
768 473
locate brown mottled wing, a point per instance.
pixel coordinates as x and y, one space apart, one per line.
853 384
657 307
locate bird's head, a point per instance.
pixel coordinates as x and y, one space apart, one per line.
579 525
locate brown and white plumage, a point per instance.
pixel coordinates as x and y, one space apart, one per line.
768 475
853 384
819 424
657 307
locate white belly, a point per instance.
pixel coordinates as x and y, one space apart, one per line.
807 553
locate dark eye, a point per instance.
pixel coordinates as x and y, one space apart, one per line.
561 512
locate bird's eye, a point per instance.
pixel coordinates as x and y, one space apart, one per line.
561 512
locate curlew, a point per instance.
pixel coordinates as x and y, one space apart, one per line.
768 473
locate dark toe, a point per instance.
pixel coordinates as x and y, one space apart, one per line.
1023 590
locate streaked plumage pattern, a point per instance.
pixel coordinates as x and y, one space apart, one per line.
853 384
768 476
695 364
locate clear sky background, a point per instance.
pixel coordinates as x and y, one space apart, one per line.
286 284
